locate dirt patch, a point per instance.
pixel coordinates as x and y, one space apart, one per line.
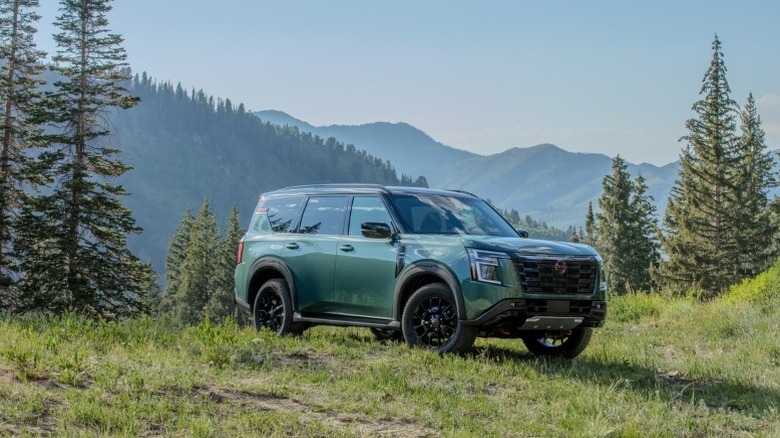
300 359
303 361
7 375
43 425
341 421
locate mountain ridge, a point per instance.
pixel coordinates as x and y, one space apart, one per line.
412 151
512 178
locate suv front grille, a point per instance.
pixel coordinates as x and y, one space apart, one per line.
557 275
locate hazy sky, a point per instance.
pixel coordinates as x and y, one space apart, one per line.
589 76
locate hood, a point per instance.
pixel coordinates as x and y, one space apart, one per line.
528 246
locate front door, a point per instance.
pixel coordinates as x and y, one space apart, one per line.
365 267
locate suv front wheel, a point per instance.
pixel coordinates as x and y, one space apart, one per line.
430 320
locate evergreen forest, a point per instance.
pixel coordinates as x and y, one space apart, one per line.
186 146
720 227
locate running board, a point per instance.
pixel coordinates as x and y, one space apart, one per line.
347 321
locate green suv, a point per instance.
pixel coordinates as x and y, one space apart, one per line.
436 268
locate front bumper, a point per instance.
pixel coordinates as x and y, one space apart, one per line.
511 316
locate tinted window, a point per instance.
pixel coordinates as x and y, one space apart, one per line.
441 214
324 215
367 209
282 212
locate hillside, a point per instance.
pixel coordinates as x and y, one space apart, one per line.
187 146
411 151
658 368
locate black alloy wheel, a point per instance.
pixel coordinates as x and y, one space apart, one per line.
435 321
430 319
272 307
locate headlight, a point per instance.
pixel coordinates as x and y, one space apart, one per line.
484 265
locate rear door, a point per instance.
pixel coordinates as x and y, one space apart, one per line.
311 252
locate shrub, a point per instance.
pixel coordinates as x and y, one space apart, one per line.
761 291
635 306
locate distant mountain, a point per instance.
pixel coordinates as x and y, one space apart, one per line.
185 148
551 184
411 151
543 181
547 182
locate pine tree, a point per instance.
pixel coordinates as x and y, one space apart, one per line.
151 293
590 227
613 223
220 304
625 230
754 178
642 238
174 261
189 302
19 79
699 224
79 260
421 181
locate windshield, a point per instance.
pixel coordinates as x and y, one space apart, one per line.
442 214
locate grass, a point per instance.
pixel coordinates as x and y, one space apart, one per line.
660 367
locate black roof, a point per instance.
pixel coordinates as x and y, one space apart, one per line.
359 188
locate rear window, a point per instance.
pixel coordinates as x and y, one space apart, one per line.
324 215
278 214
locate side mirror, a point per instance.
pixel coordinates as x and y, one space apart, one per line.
376 230
523 233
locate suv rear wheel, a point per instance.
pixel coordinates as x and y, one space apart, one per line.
273 307
430 320
564 344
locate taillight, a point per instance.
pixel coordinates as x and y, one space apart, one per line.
240 252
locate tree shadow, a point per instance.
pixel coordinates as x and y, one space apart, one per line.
669 385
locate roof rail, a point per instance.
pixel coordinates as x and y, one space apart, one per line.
328 188
464 192
336 185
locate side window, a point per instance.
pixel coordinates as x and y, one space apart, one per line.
281 213
324 215
367 209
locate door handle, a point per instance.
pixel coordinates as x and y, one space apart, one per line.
291 245
347 248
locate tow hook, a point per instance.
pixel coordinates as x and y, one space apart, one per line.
503 330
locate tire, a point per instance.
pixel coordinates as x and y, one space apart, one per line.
558 344
384 335
430 320
273 308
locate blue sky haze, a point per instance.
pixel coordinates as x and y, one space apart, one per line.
596 76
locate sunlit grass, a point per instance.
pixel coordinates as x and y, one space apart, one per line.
660 367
